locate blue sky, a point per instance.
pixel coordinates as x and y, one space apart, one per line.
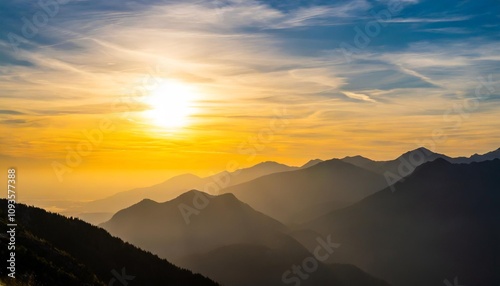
458 38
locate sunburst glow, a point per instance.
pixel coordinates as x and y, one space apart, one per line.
171 103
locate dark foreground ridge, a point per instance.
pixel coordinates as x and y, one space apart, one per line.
55 250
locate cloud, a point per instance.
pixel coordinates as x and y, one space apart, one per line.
429 20
13 121
325 78
323 15
450 30
358 96
10 112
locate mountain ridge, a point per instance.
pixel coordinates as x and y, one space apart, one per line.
56 250
280 195
441 208
250 248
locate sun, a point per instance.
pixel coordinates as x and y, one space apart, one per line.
171 103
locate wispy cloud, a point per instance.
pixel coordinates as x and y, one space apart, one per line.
451 30
358 96
10 112
323 15
429 20
13 121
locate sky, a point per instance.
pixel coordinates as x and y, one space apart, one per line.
101 96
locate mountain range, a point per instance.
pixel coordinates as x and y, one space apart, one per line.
282 195
227 240
101 210
438 222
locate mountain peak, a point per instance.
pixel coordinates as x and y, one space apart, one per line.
311 163
356 158
440 161
145 203
272 163
266 164
353 157
188 196
422 150
183 177
332 162
433 166
423 153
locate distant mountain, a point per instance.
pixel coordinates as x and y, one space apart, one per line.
364 163
227 240
174 187
55 250
259 170
478 158
283 195
407 162
166 190
401 166
171 231
441 222
311 163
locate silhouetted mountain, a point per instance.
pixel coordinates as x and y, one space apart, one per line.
169 230
282 195
174 187
364 163
256 265
439 223
227 240
169 189
407 162
401 166
55 250
311 163
261 169
478 158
